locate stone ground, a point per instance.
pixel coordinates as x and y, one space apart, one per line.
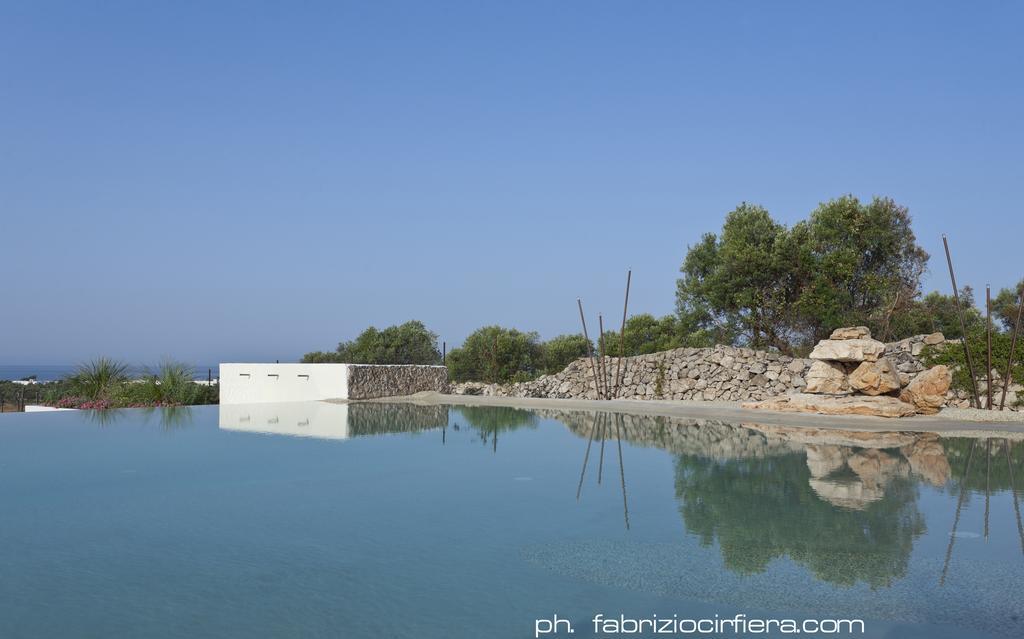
950 421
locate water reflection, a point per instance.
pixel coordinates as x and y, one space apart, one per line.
843 504
168 417
325 420
490 421
600 428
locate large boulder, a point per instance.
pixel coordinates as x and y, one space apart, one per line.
927 391
851 332
879 406
827 378
848 350
875 378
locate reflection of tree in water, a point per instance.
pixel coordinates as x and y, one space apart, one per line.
990 469
491 421
760 509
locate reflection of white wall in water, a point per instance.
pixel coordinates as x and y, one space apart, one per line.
322 420
250 383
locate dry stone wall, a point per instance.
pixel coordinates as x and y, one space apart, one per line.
366 381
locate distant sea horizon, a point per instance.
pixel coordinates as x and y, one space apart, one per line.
53 372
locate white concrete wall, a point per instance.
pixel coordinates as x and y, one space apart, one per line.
267 383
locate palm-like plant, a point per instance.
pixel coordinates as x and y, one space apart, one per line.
171 383
97 379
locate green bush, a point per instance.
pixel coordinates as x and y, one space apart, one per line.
98 380
952 355
408 343
559 352
496 354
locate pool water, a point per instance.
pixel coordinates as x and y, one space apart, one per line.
396 520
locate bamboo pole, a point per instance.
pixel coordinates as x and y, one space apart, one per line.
622 333
988 347
963 326
604 364
590 348
1008 378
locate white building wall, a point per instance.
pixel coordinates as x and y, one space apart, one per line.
266 383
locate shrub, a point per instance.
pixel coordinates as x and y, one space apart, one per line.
496 354
408 343
952 355
559 352
98 379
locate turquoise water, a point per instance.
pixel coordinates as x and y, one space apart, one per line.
378 520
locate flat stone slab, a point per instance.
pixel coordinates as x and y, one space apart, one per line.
878 406
848 350
851 332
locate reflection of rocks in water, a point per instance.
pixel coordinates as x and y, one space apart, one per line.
872 470
927 459
377 419
760 509
851 494
873 458
705 437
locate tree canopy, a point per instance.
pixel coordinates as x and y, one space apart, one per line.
767 285
496 354
408 343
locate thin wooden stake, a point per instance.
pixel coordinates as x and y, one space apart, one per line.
1008 378
963 326
622 333
604 364
590 348
988 347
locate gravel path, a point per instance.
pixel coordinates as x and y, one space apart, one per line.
979 415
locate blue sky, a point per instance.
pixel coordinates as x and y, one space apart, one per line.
232 181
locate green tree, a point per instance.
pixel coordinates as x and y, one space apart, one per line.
408 343
559 352
865 265
496 354
742 282
1005 304
936 312
764 285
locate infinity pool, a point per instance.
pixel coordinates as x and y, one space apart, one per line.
395 520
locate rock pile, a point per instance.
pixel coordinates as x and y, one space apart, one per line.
851 375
